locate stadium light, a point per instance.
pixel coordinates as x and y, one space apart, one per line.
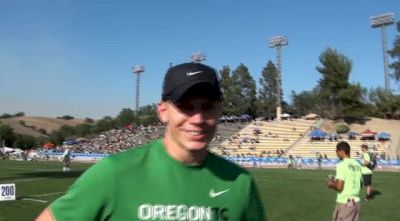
197 57
277 42
138 69
382 21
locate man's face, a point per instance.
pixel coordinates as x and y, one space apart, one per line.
339 154
192 122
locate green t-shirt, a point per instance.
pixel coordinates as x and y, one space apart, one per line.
146 183
365 157
349 171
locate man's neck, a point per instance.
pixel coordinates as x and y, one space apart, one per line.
182 154
345 157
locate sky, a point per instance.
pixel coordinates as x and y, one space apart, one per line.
73 57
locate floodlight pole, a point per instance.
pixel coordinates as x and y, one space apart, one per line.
197 57
382 21
385 58
277 42
138 70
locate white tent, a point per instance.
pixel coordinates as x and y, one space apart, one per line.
11 150
6 149
311 116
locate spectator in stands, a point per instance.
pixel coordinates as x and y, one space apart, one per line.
347 184
137 184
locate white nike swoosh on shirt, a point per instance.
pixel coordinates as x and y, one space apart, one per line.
213 194
193 73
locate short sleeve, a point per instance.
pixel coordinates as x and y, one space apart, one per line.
255 208
340 171
90 197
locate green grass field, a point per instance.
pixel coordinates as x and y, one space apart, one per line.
288 194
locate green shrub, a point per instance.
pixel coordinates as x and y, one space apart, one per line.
342 128
19 114
66 117
89 120
5 116
42 131
22 123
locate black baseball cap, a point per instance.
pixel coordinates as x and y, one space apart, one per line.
191 79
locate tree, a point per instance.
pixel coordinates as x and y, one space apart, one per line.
67 131
56 138
41 140
304 102
125 117
19 114
227 86
147 114
6 135
267 93
384 102
335 71
25 142
395 54
42 131
243 91
353 101
66 117
83 130
89 120
104 124
5 116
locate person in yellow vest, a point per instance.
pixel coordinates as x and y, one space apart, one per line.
366 172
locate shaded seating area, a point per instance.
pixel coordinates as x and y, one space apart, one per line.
352 135
383 136
317 134
368 135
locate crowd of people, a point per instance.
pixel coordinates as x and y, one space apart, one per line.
115 140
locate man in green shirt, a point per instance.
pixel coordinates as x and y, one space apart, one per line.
366 172
348 184
175 178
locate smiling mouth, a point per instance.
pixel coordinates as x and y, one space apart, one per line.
195 132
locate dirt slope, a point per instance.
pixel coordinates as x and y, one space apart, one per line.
49 124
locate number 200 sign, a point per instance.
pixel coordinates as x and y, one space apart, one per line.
7 192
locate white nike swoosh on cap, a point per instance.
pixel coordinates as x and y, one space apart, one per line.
213 194
193 73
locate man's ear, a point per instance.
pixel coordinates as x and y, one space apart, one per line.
162 111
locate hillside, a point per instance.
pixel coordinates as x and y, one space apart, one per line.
375 124
49 124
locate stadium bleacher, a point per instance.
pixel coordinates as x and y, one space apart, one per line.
289 137
265 138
